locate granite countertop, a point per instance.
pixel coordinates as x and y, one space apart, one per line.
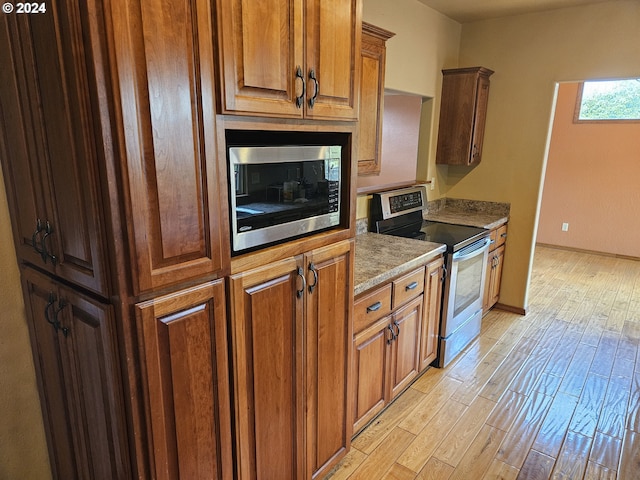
379 258
468 212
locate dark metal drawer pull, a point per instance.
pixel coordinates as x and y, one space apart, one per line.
411 286
375 307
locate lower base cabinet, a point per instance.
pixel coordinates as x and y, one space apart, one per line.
395 338
74 347
493 274
290 344
183 346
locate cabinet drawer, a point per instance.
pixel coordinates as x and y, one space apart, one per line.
371 307
407 287
501 236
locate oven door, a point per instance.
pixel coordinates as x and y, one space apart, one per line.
465 288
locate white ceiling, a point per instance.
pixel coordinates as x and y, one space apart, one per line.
471 10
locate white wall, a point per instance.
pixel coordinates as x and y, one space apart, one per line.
529 54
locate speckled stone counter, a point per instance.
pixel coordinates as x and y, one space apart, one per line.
382 257
468 212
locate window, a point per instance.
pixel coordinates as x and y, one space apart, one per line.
609 100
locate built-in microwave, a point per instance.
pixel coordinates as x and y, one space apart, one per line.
280 192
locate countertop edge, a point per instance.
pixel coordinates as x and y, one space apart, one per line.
396 270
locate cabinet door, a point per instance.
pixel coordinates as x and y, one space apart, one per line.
496 275
175 195
328 333
431 312
333 32
75 353
371 350
261 47
372 65
480 115
405 349
49 145
267 351
182 340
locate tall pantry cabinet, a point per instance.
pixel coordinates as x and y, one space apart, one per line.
108 146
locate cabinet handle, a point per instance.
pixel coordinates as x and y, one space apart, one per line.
312 267
375 307
300 292
312 76
398 329
503 235
300 99
444 273
50 302
45 253
34 238
56 323
411 286
393 336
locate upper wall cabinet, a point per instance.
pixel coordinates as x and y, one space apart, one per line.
50 158
465 93
164 61
290 58
373 56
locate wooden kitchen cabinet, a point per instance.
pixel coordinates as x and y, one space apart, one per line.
109 139
290 58
49 155
463 110
290 342
493 275
173 196
395 338
373 59
183 344
434 280
78 369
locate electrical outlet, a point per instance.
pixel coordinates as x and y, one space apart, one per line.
565 227
433 183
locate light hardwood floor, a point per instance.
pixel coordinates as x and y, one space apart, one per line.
553 394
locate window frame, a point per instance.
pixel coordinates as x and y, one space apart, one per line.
576 113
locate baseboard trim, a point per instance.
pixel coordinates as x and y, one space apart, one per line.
591 252
510 308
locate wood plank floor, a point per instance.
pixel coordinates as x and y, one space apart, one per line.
554 394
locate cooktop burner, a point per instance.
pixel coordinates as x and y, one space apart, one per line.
455 236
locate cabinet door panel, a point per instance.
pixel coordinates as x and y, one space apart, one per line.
58 125
91 349
431 313
328 334
371 351
48 361
183 346
79 376
261 49
267 342
405 348
164 57
333 37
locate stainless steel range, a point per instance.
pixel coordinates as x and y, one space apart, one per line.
399 213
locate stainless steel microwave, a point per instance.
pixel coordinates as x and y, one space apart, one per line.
282 192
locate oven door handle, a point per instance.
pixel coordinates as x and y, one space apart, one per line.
469 252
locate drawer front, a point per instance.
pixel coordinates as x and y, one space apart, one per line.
371 307
407 287
501 236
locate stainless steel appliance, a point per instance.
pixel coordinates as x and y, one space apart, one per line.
399 213
282 192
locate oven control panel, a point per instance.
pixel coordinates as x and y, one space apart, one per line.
406 201
387 205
